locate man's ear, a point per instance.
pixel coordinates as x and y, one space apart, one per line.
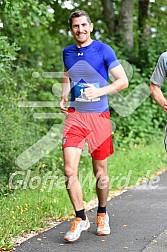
70 30
91 28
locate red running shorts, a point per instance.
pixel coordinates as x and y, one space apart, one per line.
95 128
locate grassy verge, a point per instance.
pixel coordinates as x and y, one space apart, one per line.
43 197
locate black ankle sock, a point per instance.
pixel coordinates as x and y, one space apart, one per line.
80 214
101 209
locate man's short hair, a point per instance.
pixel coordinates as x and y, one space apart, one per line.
78 13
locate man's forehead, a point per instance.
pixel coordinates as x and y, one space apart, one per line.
79 20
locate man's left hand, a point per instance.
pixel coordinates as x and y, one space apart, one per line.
91 92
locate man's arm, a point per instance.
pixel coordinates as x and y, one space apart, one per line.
120 83
157 80
65 92
158 96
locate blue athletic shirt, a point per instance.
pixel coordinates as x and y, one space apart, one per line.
90 64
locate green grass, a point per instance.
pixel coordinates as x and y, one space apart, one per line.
29 209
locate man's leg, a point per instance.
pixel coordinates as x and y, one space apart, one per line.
102 184
81 222
71 162
102 188
165 140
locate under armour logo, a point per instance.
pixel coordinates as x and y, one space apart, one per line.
80 54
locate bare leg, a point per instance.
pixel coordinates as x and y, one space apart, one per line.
102 184
71 162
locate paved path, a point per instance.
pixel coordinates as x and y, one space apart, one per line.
138 221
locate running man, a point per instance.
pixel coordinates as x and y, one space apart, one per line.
87 65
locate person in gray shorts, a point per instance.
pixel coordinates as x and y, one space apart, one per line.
157 80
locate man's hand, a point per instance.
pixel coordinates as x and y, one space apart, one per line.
165 106
91 92
62 104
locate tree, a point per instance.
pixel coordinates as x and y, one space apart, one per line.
109 15
125 23
120 25
144 29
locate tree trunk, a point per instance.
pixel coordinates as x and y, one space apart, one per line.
109 15
144 28
143 17
125 23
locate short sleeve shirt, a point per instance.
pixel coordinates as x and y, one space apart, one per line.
90 65
160 72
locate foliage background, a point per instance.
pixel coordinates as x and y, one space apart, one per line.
33 36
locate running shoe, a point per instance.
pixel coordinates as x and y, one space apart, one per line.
77 226
102 221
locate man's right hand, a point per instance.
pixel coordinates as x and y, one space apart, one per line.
165 106
62 104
